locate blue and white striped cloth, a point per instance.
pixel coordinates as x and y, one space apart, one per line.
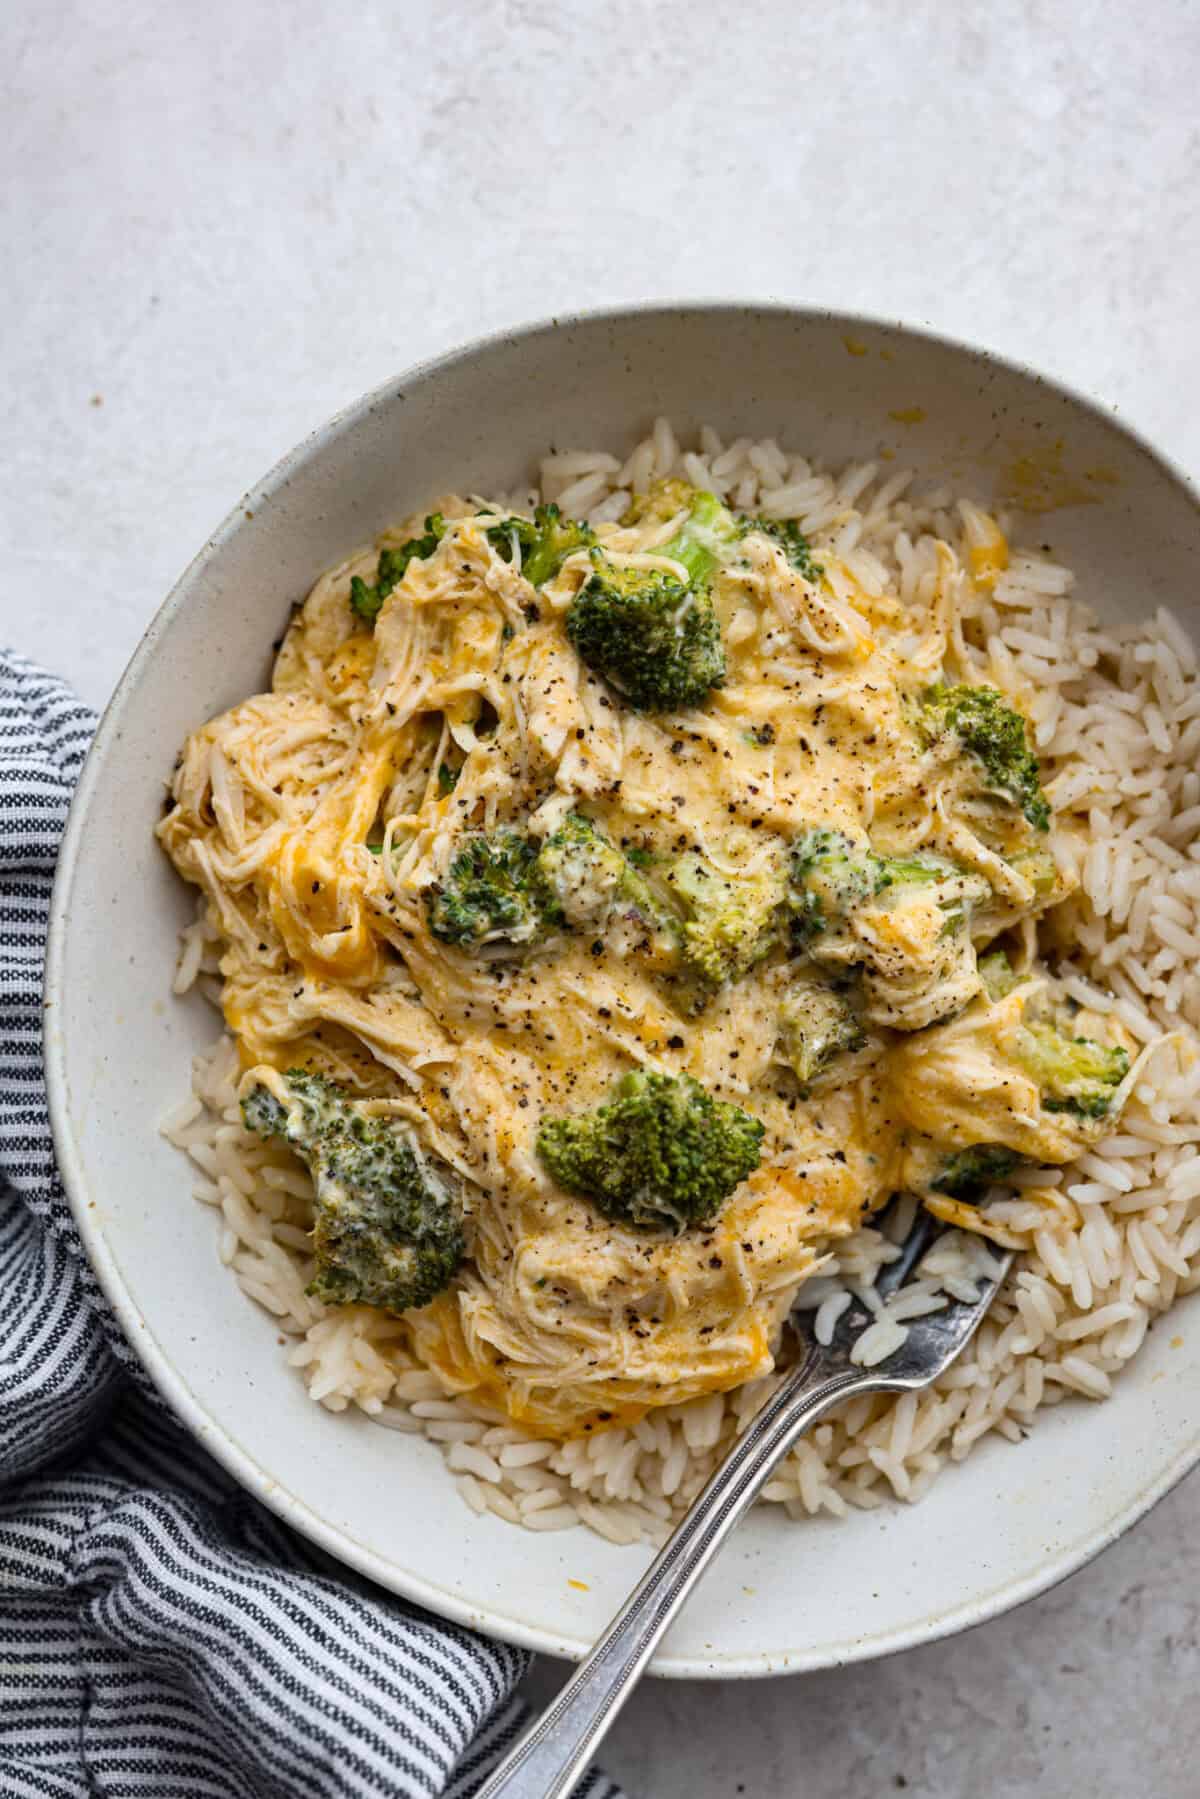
161 1635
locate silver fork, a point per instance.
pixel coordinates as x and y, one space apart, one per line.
551 1757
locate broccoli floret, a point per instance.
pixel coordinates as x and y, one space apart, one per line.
488 894
1075 1074
387 1229
792 541
366 601
663 1152
665 499
657 641
580 876
988 727
705 538
509 888
970 1172
578 871
653 637
817 1023
544 542
831 875
905 920
513 538
586 882
730 922
696 930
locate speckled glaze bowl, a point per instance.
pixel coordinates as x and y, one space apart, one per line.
784 1596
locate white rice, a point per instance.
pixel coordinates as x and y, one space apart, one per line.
1116 712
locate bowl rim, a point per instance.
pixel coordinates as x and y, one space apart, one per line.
231 1455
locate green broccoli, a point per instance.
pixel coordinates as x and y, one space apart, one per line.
696 927
578 872
657 641
388 1226
817 1023
666 499
366 601
968 1173
1075 1074
488 894
653 637
507 887
830 876
905 920
580 878
792 541
663 1152
918 871
985 724
730 921
704 539
589 884
544 542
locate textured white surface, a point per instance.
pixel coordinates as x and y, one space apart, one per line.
223 221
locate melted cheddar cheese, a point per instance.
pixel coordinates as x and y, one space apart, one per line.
314 821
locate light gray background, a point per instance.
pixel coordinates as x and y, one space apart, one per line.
221 220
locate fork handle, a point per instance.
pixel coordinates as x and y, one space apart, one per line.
551 1757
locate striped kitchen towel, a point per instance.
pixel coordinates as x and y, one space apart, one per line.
162 1636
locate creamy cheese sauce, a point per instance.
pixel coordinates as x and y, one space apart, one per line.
315 820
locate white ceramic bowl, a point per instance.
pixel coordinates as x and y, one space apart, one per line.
783 1596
